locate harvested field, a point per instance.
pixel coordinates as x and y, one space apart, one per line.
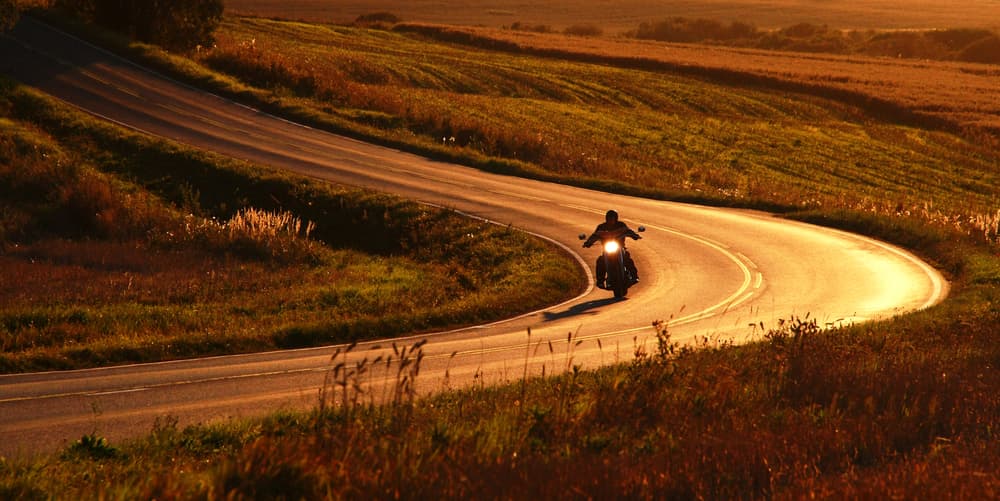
627 14
961 96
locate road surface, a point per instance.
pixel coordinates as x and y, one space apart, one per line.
707 271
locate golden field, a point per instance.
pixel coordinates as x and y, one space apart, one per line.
937 93
619 15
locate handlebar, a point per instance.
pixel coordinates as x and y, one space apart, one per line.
605 235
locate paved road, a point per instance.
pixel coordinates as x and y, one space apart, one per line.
708 271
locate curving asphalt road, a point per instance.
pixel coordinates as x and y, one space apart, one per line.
710 272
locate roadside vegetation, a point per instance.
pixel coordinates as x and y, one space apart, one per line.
903 408
120 248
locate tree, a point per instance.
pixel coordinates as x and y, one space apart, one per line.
8 14
178 25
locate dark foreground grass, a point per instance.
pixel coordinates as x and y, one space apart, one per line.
904 409
115 248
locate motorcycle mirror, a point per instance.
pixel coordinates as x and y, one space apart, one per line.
583 236
642 229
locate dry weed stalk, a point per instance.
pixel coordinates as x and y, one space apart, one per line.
263 225
347 382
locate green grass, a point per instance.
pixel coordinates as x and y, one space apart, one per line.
903 408
122 248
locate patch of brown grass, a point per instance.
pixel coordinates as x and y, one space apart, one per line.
51 273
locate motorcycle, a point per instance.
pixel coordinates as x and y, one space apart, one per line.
619 277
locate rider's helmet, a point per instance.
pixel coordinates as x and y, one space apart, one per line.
611 216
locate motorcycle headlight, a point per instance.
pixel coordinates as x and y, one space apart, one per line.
611 246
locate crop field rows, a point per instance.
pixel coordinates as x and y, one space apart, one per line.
691 132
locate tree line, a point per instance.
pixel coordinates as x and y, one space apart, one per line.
957 44
179 25
8 14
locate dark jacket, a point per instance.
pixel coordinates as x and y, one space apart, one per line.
605 230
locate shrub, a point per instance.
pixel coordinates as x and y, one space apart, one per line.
684 30
584 30
535 28
804 30
91 446
46 192
377 18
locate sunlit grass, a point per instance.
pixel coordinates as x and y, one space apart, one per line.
120 248
649 132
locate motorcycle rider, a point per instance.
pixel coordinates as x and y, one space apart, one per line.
612 224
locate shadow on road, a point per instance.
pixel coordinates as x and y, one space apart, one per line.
587 308
30 40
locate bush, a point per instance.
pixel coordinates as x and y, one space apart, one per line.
180 25
804 30
377 18
39 197
535 28
584 30
91 446
683 30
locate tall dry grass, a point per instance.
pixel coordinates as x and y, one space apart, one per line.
279 235
903 409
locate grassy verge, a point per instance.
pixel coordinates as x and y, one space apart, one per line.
906 408
122 248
